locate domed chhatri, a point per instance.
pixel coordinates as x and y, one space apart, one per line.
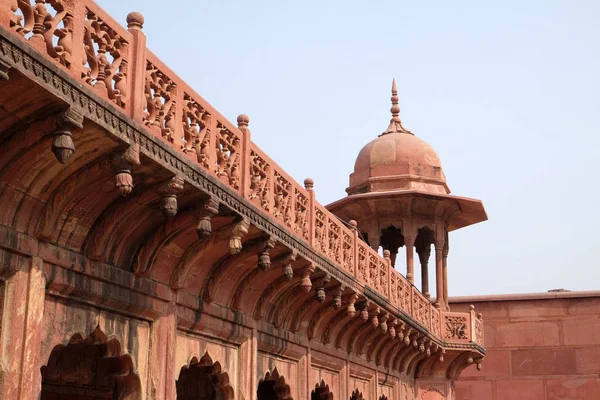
397 160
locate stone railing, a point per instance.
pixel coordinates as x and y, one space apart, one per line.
90 46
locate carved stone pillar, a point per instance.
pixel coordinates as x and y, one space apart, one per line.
439 275
424 254
445 271
24 295
409 242
374 239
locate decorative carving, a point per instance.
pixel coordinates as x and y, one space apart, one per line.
306 283
435 321
209 209
300 218
228 156
282 199
455 327
196 130
160 93
351 310
356 395
106 61
259 182
94 365
273 386
364 311
362 263
479 329
383 277
337 299
347 251
203 380
320 290
320 231
122 163
321 392
238 231
169 191
4 70
39 22
62 140
334 233
421 309
264 259
287 270
383 326
373 280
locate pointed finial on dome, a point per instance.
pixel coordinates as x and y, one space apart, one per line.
395 123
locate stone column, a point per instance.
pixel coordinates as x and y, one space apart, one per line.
163 373
445 271
409 242
22 316
374 240
424 259
439 275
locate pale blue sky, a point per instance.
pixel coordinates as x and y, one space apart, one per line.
507 92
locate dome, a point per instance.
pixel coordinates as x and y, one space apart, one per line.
397 160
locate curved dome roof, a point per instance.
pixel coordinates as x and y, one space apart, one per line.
397 160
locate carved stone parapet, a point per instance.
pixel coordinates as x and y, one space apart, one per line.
123 163
264 259
306 283
62 140
238 231
209 209
169 191
320 290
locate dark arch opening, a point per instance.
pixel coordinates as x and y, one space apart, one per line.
391 239
203 380
273 387
321 392
356 395
90 368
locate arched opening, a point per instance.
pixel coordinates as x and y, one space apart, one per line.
425 238
356 395
383 397
273 387
203 380
90 368
321 392
391 239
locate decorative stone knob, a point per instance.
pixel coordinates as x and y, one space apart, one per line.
309 184
243 120
135 20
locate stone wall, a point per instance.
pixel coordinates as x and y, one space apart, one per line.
539 347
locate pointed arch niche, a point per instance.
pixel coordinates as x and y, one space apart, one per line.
321 392
203 380
90 368
356 395
273 387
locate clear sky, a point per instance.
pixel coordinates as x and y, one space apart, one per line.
507 92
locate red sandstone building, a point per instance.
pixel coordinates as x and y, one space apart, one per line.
150 250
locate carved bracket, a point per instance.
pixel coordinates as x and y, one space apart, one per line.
62 141
264 259
169 190
351 310
320 290
123 163
337 299
238 231
209 209
288 272
306 283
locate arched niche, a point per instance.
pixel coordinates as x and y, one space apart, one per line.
356 395
203 380
321 392
90 368
383 397
273 387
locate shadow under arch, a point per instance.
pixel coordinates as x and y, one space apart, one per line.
273 387
321 392
90 368
203 380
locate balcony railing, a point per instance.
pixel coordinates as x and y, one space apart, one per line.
90 46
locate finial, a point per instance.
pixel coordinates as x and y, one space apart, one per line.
309 184
135 20
395 123
243 120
